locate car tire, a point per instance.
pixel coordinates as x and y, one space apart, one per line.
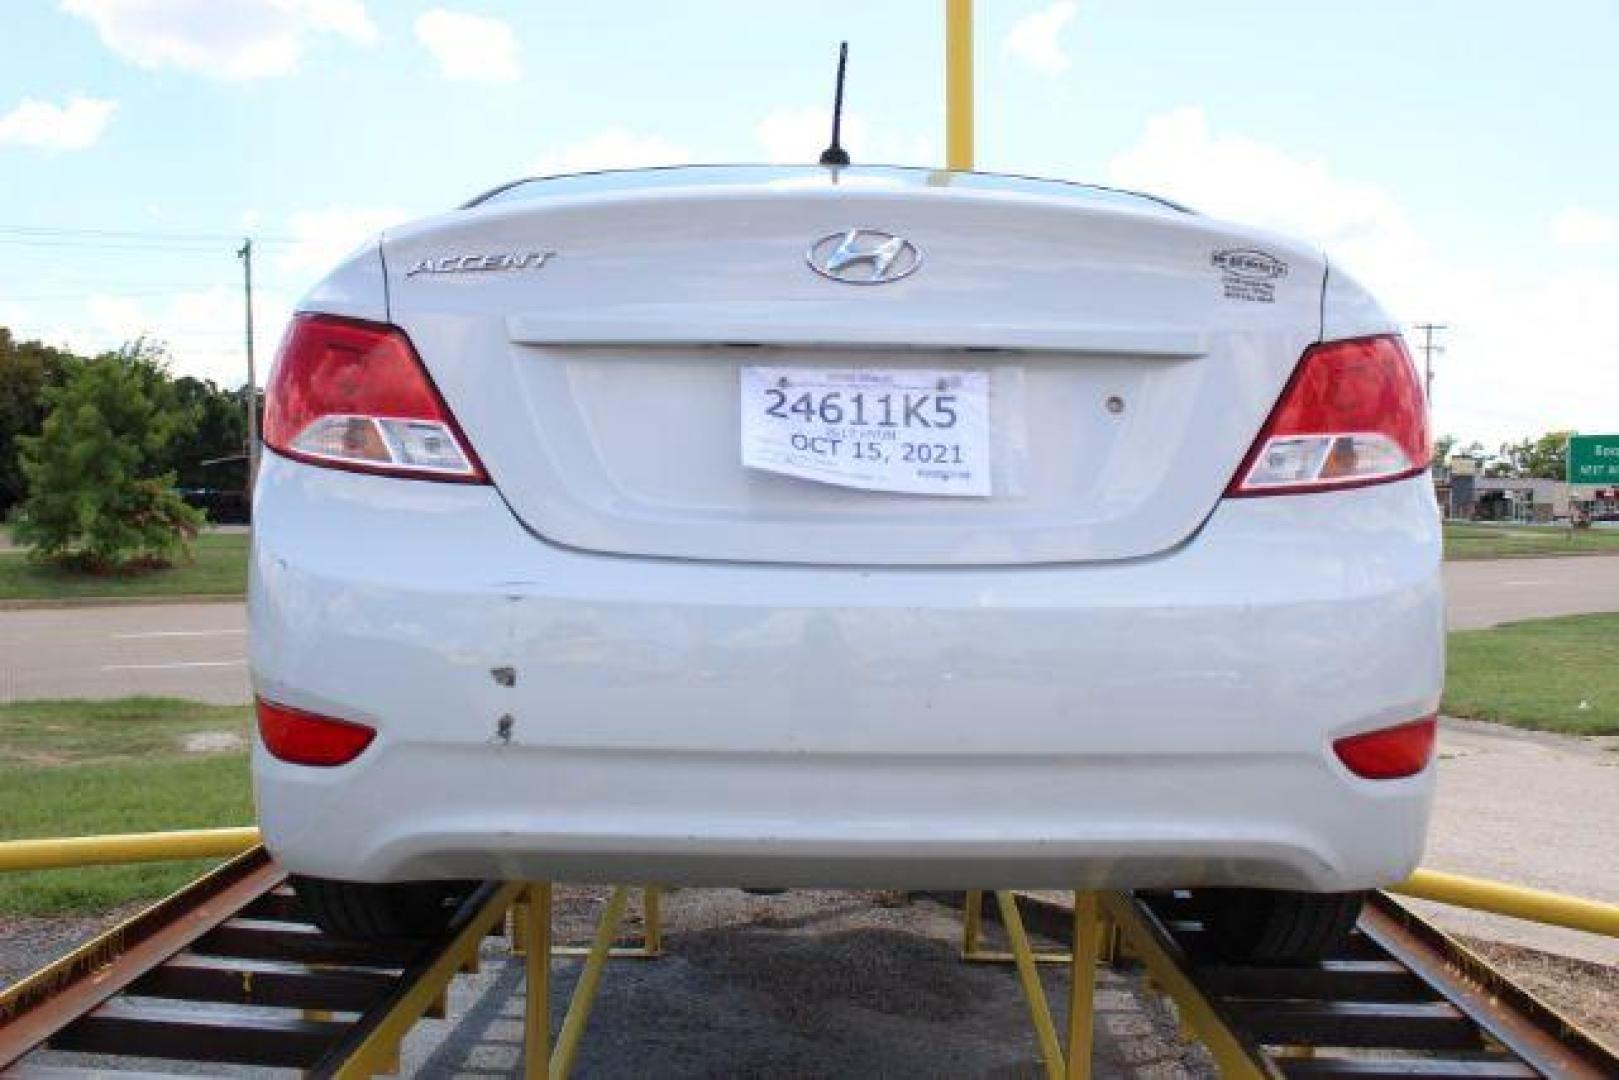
1269 926
364 912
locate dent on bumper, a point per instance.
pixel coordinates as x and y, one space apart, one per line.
1164 721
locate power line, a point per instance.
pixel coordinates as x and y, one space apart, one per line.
137 234
120 294
115 245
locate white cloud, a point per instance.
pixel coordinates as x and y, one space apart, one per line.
470 48
238 40
1035 39
1241 178
201 329
322 238
614 148
1531 346
73 126
1576 225
797 135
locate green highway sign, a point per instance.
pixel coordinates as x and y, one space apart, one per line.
1593 459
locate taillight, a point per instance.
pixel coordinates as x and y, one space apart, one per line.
1389 753
354 395
1352 414
305 738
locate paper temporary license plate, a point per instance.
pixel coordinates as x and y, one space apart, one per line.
906 430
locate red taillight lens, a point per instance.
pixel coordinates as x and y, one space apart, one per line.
354 395
1389 753
1352 414
304 738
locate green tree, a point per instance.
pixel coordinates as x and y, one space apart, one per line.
98 497
1545 458
219 431
27 368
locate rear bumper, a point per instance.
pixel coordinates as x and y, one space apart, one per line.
1151 722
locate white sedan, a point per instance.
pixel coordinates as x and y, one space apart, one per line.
845 527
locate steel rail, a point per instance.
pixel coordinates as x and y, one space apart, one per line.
40 1006
1400 998
1516 1019
209 974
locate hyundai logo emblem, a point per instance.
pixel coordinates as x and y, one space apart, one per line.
863 257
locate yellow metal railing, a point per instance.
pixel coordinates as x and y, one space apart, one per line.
56 853
1517 901
1457 890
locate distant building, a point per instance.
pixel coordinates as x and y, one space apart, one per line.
1464 493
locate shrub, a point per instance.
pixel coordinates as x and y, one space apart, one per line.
94 499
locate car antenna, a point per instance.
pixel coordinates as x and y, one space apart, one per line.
835 154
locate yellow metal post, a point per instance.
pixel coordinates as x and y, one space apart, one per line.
537 1007
1082 986
972 915
584 992
1028 974
958 77
519 924
652 919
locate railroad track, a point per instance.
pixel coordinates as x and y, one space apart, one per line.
229 971
1399 999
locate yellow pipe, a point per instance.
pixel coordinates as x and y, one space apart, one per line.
58 852
958 82
1554 909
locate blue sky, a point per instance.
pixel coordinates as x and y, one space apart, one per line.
1454 155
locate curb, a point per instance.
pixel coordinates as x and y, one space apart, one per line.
49 603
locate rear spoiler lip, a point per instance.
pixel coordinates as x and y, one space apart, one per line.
836 325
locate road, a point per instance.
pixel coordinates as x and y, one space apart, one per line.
177 650
197 650
1491 591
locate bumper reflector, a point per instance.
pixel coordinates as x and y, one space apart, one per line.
303 738
1389 753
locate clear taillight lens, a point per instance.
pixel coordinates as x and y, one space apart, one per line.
1352 414
354 395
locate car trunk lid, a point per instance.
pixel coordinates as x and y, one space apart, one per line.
595 348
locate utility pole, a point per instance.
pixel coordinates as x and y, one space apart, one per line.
245 253
958 83
1429 347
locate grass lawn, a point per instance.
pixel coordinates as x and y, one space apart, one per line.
219 568
1552 674
1489 541
80 767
